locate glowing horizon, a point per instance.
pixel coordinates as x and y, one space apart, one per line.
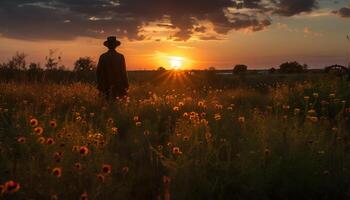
313 33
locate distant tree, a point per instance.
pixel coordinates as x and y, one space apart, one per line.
52 62
337 70
84 64
292 67
272 70
212 69
161 69
34 66
18 61
240 69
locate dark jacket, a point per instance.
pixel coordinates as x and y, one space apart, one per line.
111 72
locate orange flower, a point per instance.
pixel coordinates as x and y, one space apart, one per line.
41 140
57 172
83 150
57 156
186 138
75 148
114 130
138 123
136 118
217 117
175 108
33 122
50 141
146 133
53 123
267 152
78 166
106 168
11 187
241 119
101 177
176 151
110 120
39 130
125 170
21 140
60 134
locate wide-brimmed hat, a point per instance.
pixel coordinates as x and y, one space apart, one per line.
111 42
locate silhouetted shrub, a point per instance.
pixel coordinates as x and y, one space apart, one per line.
18 61
84 64
292 67
272 70
240 69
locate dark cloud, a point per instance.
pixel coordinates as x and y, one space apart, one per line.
294 7
344 12
67 19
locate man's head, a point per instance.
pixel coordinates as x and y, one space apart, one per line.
112 42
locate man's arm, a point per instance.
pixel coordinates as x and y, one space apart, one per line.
99 73
124 74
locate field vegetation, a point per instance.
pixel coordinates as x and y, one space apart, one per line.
177 137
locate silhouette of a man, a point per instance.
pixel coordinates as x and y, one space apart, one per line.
112 79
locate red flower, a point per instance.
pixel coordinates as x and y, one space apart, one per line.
57 172
83 150
106 168
11 187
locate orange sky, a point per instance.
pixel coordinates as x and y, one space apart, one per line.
317 38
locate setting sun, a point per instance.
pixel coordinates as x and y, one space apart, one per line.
176 62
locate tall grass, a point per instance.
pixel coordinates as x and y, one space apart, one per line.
285 141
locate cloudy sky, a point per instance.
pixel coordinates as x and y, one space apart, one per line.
220 33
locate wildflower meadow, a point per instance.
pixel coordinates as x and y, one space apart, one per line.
285 141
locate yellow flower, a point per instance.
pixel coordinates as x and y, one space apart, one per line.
200 103
114 130
185 114
41 140
39 130
176 151
138 123
176 109
217 117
